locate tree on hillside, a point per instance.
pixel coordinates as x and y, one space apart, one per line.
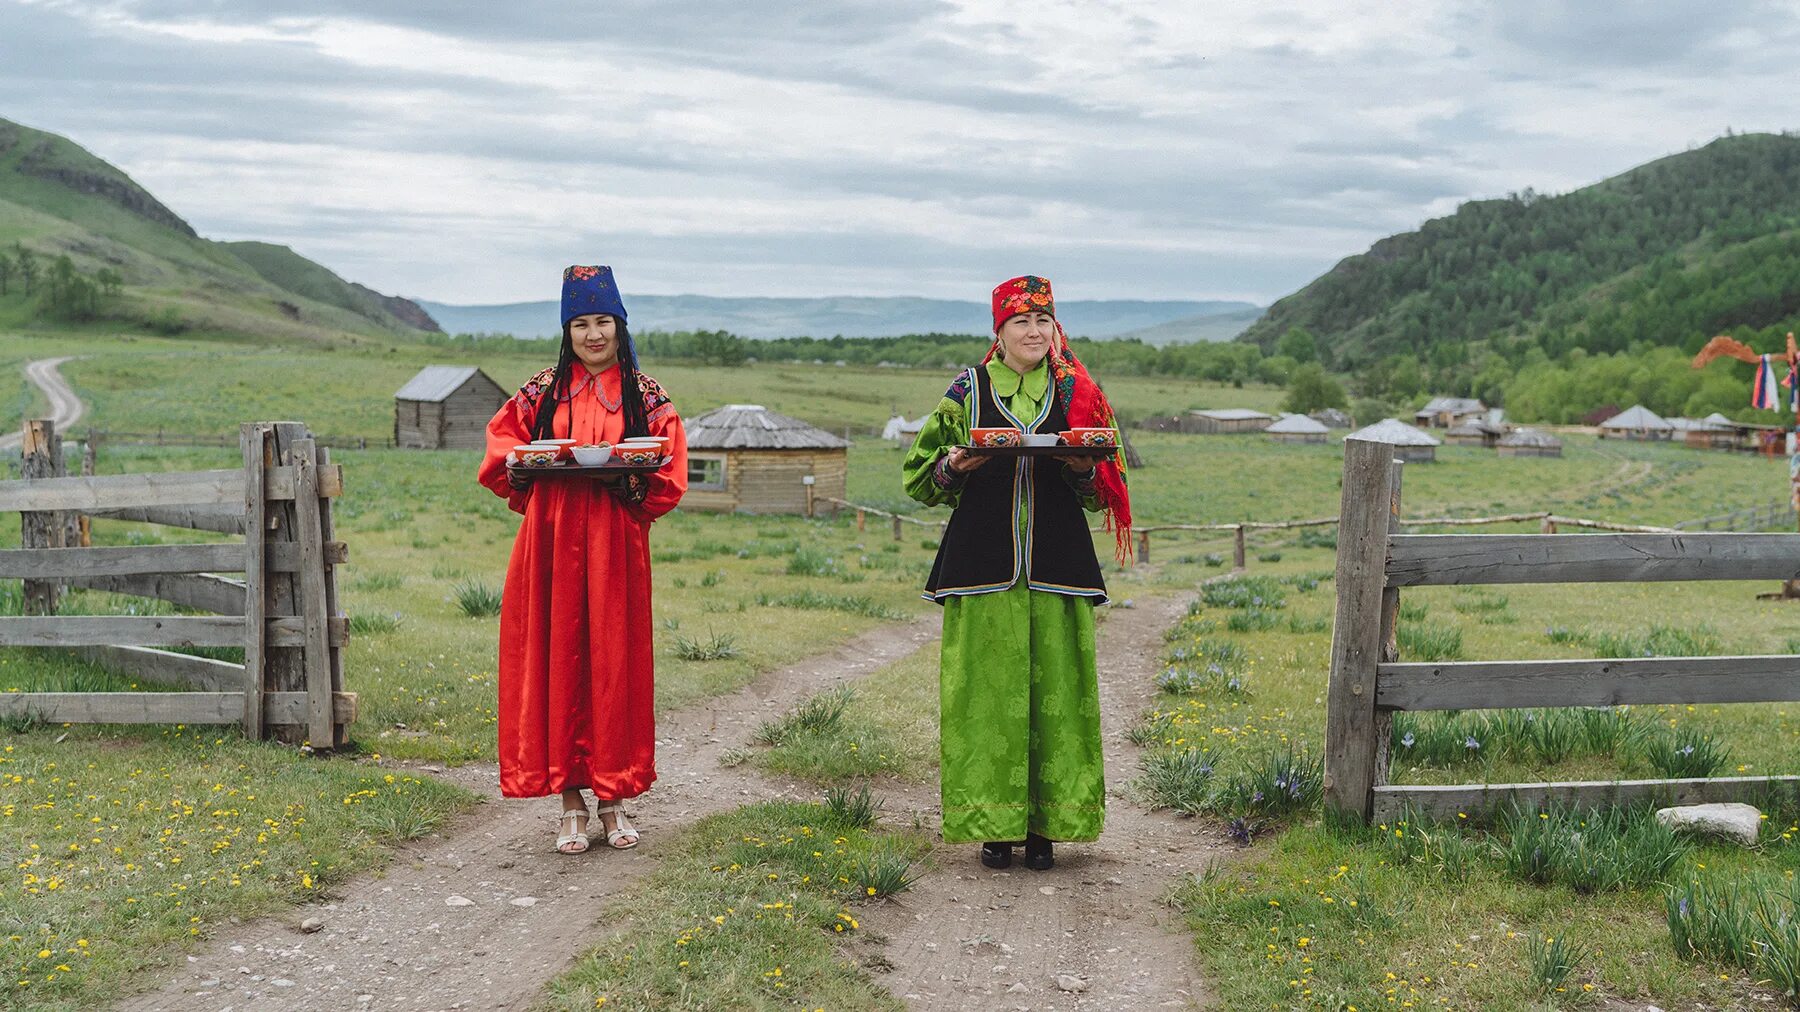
1310 389
26 263
1298 344
69 295
6 270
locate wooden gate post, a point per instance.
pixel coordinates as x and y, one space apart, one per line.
1364 521
41 452
257 442
1239 558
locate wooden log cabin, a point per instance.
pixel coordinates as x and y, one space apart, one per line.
446 407
745 458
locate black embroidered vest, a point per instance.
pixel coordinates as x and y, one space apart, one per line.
983 551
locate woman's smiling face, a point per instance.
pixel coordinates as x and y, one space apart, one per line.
595 337
1025 340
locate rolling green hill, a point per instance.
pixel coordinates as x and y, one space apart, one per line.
57 199
1664 255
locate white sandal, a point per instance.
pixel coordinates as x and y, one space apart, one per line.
574 840
613 836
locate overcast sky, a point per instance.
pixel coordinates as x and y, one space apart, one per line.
466 151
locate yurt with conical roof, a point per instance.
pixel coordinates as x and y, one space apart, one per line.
1297 429
1636 422
1529 443
1410 444
744 458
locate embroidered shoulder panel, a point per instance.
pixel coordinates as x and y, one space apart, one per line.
536 386
656 402
959 389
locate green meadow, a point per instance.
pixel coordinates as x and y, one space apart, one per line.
87 808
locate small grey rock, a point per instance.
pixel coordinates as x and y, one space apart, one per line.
458 901
1071 983
312 924
523 901
1018 988
1735 822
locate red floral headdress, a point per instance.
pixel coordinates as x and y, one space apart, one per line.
1082 400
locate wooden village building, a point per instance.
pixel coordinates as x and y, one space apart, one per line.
1528 443
446 407
1448 412
1297 429
1220 421
1474 432
1410 445
746 458
1636 423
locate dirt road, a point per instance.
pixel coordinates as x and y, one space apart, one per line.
65 408
481 917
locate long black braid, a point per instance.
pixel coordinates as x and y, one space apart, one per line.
631 398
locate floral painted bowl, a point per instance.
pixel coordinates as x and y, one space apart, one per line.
533 455
996 437
1091 437
639 454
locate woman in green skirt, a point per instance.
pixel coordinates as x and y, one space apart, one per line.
1018 578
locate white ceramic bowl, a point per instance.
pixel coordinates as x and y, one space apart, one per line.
1042 439
592 456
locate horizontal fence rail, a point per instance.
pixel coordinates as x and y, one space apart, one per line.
1419 560
1468 685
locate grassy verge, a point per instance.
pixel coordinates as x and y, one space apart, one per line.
1456 916
883 725
754 909
122 847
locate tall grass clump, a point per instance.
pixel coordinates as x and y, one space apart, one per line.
852 809
1177 779
1439 848
1686 753
1660 641
1278 784
714 646
370 622
1421 642
476 598
820 715
1589 850
812 600
808 560
1752 922
1552 959
1244 592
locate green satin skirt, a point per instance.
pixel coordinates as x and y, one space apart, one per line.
1020 718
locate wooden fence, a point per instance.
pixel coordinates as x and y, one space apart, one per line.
1368 684
283 613
1779 513
163 437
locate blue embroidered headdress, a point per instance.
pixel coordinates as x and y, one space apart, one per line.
590 290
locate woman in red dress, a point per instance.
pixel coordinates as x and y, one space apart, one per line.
576 652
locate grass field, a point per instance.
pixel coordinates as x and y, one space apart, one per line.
752 593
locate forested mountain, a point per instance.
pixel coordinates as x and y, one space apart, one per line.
1664 255
81 240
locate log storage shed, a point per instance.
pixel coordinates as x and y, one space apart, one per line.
745 458
446 407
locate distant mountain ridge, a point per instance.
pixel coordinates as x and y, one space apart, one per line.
58 199
848 316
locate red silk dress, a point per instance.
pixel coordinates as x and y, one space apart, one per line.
576 650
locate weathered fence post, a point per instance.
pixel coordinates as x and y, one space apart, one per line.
1358 633
284 667
859 519
1143 553
1237 548
897 536
41 458
257 444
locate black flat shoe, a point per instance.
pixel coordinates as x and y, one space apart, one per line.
1040 854
997 855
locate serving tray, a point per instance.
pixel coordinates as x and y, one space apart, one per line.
1097 452
594 470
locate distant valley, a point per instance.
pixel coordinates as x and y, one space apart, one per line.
1155 322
